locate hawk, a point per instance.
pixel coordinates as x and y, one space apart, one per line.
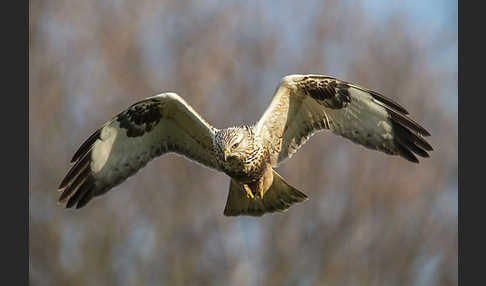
302 105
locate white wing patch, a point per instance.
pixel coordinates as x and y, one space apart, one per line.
102 148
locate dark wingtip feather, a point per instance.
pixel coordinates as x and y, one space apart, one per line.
387 101
406 153
411 135
67 191
86 146
85 199
419 151
75 170
408 122
80 192
77 186
409 142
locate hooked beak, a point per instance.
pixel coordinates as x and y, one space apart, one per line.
226 154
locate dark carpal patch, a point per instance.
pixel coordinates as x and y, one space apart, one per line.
140 117
331 93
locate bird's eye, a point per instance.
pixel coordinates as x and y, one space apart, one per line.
235 146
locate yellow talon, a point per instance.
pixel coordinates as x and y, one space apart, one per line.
249 194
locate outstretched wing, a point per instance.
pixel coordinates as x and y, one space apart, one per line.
305 104
147 129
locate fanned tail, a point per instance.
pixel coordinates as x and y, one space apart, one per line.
279 197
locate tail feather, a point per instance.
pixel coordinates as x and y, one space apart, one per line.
279 197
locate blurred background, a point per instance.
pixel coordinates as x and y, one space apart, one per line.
372 219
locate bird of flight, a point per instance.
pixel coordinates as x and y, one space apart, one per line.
302 105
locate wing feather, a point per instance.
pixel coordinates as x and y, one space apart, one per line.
147 129
305 104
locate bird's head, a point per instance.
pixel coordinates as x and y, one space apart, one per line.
234 143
